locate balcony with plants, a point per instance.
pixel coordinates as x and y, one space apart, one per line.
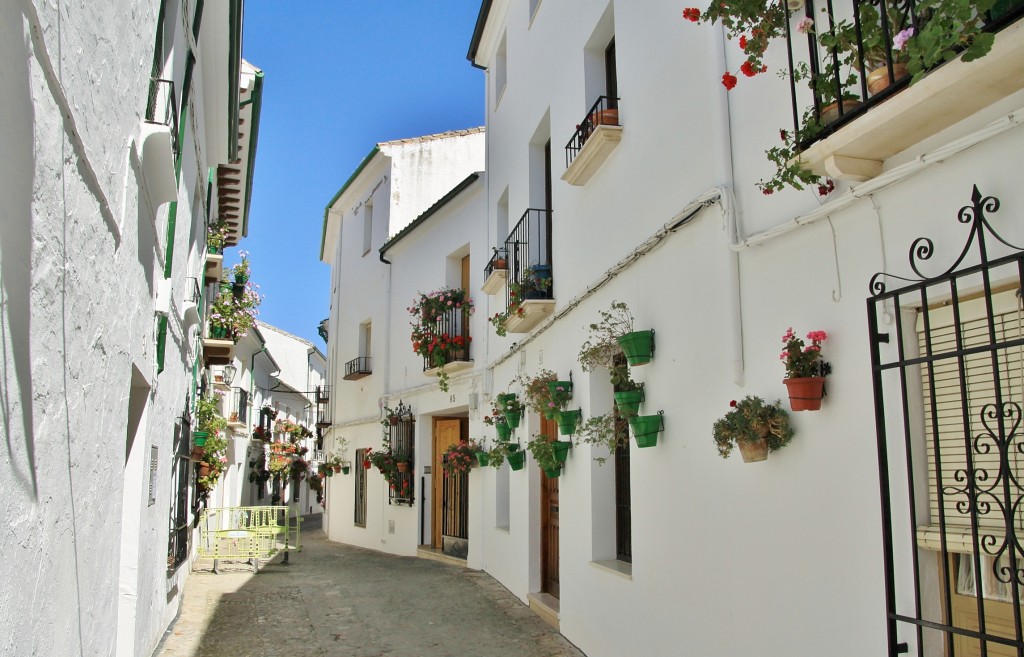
871 78
595 138
216 237
528 286
496 272
440 332
232 313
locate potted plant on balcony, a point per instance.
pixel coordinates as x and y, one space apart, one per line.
216 237
240 272
532 284
440 331
549 454
805 371
755 427
232 316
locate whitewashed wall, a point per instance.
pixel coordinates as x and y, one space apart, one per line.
727 558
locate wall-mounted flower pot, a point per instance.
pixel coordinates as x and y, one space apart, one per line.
199 438
553 387
345 469
403 466
646 428
516 459
197 453
238 290
562 450
241 279
505 397
568 421
805 393
367 464
552 473
483 458
204 469
504 431
513 419
628 402
329 472
638 347
753 451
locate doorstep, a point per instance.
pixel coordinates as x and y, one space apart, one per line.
434 554
547 607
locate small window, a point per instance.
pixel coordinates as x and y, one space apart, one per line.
367 228
623 503
366 339
500 71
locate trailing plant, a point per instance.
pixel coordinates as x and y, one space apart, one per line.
208 417
535 390
215 457
601 430
749 421
543 449
216 236
236 315
518 292
602 349
499 452
241 270
458 458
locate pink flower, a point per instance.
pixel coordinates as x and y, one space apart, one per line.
804 25
789 335
901 38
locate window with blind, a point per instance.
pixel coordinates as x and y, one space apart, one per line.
965 431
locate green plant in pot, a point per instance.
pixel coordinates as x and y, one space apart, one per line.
753 426
513 411
601 430
547 452
602 349
568 420
542 394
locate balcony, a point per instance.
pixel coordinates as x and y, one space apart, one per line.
158 141
190 306
214 265
529 295
323 407
357 368
595 138
497 273
218 346
451 332
850 124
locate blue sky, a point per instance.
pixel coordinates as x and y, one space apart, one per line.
340 76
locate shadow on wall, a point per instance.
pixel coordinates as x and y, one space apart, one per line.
16 179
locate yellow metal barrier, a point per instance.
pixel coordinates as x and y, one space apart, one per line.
247 533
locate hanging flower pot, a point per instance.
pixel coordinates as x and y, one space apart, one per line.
199 438
568 421
646 428
552 473
504 431
197 453
505 397
204 469
238 290
482 458
403 466
753 451
513 419
553 388
562 450
805 393
628 402
345 469
367 463
336 468
329 472
516 458
638 346
241 278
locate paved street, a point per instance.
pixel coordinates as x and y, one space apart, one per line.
337 600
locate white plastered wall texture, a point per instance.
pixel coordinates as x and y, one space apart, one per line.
81 254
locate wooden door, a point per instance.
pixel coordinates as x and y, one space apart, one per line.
549 523
465 273
447 432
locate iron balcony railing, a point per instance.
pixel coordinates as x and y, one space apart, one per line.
451 330
604 112
529 258
323 408
357 368
192 290
162 108
865 62
498 261
323 394
238 405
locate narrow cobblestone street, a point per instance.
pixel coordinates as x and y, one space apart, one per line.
338 600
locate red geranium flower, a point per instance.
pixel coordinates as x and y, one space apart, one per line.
743 41
747 69
691 14
729 80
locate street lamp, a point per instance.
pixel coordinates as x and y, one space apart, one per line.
229 374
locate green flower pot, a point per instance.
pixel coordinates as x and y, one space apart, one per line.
551 414
553 387
568 421
628 402
483 458
562 450
199 438
517 459
552 473
218 332
328 472
513 419
638 346
504 431
646 428
345 469
505 397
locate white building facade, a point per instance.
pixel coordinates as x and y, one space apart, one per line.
671 549
117 119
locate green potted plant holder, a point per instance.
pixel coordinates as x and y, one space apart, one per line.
552 473
646 428
516 457
628 401
503 429
638 346
482 458
345 469
199 438
562 451
568 421
553 387
513 419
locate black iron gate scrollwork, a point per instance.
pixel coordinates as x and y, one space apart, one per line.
947 356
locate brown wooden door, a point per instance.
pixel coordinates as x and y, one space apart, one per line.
465 273
549 523
447 432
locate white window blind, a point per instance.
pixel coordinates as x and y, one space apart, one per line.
956 414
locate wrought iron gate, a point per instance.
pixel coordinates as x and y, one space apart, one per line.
947 373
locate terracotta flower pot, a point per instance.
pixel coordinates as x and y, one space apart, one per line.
605 117
403 466
830 112
878 79
805 393
499 263
753 452
204 469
